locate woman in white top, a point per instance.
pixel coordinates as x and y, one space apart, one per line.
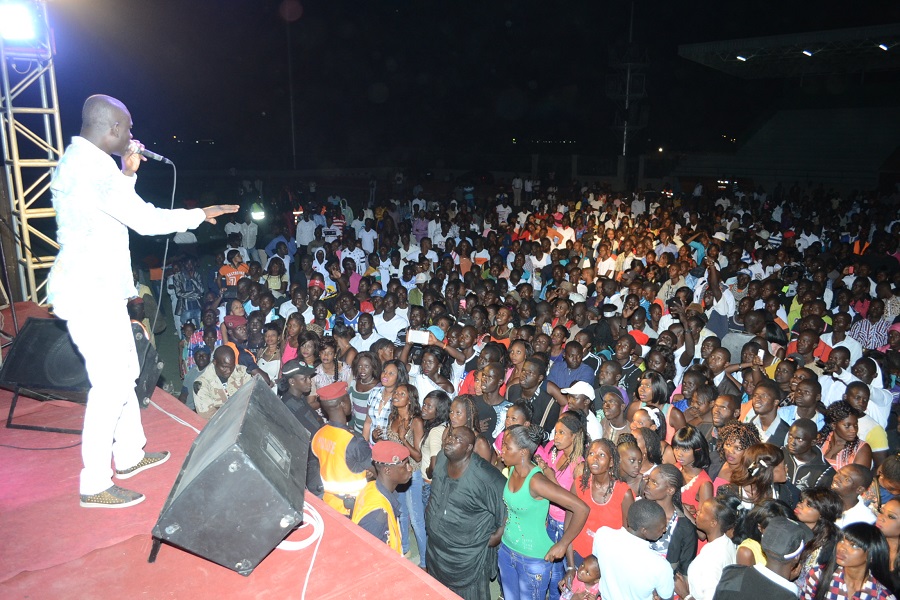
436 414
268 358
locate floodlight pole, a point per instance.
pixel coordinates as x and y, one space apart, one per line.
32 146
628 83
287 28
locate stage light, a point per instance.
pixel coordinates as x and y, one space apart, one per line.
17 22
660 148
884 47
741 58
807 53
257 213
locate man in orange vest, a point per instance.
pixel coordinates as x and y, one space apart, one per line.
344 456
377 505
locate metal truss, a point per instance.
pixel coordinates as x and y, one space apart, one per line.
32 146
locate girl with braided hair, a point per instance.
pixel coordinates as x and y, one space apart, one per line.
526 552
406 427
679 543
464 414
330 369
566 454
656 451
608 497
839 439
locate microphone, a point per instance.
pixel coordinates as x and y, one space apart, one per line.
153 155
145 152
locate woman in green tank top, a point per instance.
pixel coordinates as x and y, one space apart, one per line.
526 551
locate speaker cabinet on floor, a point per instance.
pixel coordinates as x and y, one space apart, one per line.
44 363
240 490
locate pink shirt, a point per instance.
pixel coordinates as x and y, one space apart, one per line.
564 478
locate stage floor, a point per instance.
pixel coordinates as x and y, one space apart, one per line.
52 548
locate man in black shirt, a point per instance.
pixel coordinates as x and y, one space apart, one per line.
802 458
296 378
545 397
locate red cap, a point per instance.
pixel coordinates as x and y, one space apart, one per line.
389 453
332 391
639 336
232 321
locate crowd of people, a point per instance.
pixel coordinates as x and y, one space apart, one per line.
587 395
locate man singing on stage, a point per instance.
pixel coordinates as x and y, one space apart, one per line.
91 280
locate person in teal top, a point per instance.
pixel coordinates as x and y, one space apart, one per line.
526 551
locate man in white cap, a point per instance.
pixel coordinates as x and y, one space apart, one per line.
580 396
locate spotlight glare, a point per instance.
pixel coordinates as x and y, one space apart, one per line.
807 53
16 23
660 149
742 58
883 47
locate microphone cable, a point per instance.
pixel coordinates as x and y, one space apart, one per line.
162 283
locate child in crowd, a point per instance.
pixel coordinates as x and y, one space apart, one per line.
585 584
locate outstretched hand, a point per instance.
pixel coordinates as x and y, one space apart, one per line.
219 209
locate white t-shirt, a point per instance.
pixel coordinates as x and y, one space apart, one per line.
306 232
705 571
859 513
633 571
390 329
607 267
368 239
362 345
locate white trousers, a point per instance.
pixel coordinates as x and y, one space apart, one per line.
112 419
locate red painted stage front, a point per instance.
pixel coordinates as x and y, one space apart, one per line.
52 548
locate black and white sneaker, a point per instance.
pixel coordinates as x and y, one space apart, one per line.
149 461
113 497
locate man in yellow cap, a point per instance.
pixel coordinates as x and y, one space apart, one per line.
377 505
344 456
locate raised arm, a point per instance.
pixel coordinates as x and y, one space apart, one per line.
541 487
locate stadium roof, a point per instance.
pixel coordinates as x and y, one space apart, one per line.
855 50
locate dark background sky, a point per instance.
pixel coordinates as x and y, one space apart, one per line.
399 81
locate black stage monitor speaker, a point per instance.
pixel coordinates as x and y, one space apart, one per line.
151 366
43 363
240 490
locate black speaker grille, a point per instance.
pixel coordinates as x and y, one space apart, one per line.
44 361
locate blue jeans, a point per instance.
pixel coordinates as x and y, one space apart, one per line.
522 577
412 509
426 495
558 568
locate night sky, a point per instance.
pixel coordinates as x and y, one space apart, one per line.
395 81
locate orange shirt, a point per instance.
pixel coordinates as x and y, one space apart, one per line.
233 274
